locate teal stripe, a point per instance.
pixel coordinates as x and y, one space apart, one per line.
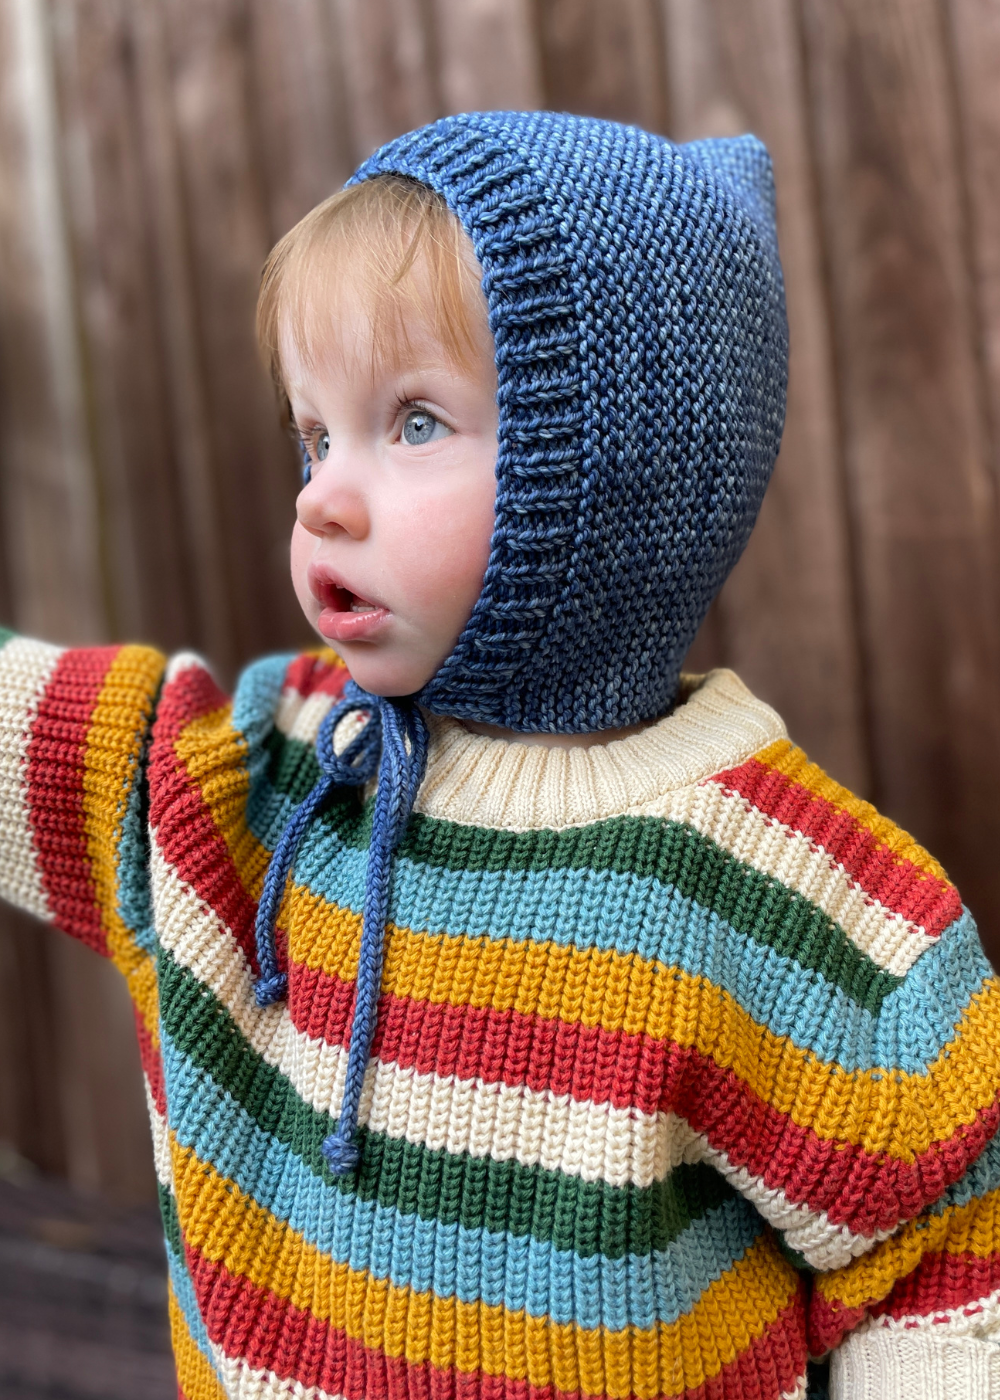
638 915
6 635
519 1272
586 1217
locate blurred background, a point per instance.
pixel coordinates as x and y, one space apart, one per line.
151 151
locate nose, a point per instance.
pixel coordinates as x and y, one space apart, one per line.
334 500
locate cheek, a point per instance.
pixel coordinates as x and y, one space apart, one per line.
444 547
300 553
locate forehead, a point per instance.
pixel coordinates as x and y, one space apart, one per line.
340 315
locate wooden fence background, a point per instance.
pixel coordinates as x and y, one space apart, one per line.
152 150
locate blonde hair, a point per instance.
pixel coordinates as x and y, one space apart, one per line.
381 230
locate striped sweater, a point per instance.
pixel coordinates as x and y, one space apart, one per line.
686 1065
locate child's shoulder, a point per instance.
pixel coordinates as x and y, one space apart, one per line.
790 821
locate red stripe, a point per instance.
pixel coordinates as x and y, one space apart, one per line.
866 1191
186 832
55 772
311 675
940 1282
896 883
269 1333
152 1064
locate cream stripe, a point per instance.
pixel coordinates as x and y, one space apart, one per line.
481 781
243 1382
579 1138
769 846
26 668
891 941
810 1232
161 1139
183 661
980 1318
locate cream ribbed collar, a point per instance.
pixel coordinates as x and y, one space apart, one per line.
501 783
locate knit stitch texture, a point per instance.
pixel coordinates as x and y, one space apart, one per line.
686 1062
637 306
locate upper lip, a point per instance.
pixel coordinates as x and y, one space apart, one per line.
333 591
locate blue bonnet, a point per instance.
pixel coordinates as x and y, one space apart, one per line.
636 301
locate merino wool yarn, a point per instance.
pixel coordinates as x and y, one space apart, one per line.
637 305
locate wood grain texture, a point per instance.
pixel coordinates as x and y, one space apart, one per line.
974 27
486 55
916 446
51 506
127 413
391 76
251 461
605 60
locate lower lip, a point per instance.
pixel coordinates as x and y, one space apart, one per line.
351 626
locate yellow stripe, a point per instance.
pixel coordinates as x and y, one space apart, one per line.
214 756
901 1114
970 1229
113 750
785 758
230 1228
194 1374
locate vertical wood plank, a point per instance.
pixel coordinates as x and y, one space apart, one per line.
604 60
301 101
922 493
174 295
52 515
252 463
975 31
487 55
390 69
50 490
786 618
128 416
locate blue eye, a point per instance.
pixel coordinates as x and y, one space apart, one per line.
419 427
320 442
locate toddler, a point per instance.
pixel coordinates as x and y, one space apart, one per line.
522 1020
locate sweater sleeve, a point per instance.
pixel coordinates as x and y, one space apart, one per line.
876 1160
917 1310
73 731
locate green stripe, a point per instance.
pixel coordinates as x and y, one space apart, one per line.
588 1217
168 1214
670 852
292 768
6 635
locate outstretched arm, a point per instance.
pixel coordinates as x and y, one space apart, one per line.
73 730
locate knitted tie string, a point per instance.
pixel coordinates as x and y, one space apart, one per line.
393 743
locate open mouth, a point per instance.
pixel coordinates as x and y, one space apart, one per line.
346 616
344 601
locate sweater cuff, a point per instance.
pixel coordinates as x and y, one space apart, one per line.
892 1363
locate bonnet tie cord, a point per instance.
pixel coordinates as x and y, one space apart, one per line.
393 743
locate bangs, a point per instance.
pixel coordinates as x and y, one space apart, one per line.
403 250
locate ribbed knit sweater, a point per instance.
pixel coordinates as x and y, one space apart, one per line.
686 1063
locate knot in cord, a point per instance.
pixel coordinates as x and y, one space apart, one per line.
393 744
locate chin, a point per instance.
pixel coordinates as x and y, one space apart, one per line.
383 675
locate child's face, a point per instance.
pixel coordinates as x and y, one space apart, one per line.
393 531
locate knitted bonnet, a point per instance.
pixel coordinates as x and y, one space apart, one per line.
636 302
